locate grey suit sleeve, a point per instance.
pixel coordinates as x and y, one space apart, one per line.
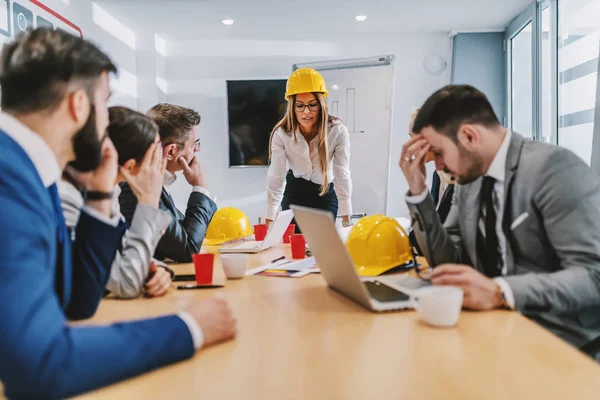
131 265
570 209
445 240
184 236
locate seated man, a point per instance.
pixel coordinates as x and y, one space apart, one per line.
178 130
523 232
442 189
135 137
54 88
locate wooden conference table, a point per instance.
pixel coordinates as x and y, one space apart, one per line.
299 340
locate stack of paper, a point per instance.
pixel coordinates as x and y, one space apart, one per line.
286 268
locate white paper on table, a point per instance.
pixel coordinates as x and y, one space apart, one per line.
303 265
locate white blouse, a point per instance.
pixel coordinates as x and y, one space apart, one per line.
302 158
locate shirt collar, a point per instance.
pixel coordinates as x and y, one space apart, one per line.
35 147
116 207
497 169
169 179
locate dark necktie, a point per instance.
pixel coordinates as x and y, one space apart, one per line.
488 248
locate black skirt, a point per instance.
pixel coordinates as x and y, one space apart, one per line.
305 193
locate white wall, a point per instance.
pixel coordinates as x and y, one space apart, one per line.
196 74
117 40
479 60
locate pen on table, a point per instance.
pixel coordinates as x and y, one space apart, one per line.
278 259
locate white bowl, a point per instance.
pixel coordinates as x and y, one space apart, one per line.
234 265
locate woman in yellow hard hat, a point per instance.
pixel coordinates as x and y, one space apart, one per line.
315 146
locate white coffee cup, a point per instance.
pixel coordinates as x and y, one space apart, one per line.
438 305
234 265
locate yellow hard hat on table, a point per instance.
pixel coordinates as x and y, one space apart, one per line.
377 244
227 224
305 80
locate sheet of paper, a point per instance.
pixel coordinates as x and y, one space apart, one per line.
305 264
284 273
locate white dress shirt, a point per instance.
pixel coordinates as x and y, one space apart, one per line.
497 170
48 168
170 178
303 159
441 191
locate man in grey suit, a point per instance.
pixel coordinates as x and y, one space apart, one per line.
524 229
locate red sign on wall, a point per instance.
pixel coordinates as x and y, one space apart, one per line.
17 16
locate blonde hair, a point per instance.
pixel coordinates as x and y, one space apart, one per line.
290 126
413 115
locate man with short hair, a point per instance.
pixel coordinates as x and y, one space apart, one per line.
54 93
178 130
522 232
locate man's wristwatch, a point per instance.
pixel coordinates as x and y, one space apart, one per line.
95 195
346 224
169 270
505 304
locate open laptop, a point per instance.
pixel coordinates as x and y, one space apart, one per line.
338 269
274 235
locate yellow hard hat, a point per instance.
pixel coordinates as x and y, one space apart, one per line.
227 224
305 80
377 244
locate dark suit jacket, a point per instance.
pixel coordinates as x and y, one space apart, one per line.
443 208
185 234
42 283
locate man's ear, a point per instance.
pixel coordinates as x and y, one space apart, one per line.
468 136
130 165
78 106
170 152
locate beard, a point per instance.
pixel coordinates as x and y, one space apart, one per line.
87 146
446 176
475 166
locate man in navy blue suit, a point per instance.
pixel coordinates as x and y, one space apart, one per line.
54 89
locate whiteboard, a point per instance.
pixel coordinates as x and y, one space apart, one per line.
362 98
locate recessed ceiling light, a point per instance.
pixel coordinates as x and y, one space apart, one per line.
335 87
361 18
228 21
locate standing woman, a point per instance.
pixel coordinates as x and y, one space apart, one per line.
315 146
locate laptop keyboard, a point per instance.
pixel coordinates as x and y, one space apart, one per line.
411 283
384 293
246 245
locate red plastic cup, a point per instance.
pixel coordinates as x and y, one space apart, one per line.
260 231
289 232
203 264
298 246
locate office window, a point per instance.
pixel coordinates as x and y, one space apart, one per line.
546 77
578 43
522 82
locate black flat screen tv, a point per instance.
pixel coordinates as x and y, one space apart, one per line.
253 107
